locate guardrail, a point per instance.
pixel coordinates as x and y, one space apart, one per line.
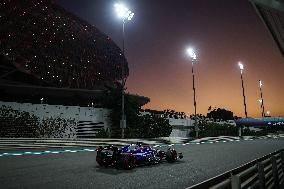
262 173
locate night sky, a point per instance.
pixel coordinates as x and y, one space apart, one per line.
223 32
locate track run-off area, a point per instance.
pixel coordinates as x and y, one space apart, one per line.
77 167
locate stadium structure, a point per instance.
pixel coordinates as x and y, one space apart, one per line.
271 13
50 56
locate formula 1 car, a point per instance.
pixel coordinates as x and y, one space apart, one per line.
131 156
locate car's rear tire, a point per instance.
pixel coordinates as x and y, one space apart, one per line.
102 158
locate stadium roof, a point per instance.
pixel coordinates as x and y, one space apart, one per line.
54 47
272 14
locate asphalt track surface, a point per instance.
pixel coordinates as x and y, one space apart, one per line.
80 170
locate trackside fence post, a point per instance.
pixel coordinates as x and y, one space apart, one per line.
261 176
275 171
282 161
235 182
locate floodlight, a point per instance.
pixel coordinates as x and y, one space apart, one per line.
123 12
260 83
241 66
191 53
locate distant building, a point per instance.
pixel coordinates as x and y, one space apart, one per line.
271 122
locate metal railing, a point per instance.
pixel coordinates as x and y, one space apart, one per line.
262 173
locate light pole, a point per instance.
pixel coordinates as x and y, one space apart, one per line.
245 105
125 14
261 96
192 56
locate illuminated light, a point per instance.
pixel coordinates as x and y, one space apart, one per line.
48 72
260 83
268 112
90 150
241 66
28 152
60 80
53 76
123 12
63 63
191 53
17 154
259 100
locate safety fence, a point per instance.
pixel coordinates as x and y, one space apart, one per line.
262 173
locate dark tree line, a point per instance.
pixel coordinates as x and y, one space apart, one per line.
138 126
220 114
